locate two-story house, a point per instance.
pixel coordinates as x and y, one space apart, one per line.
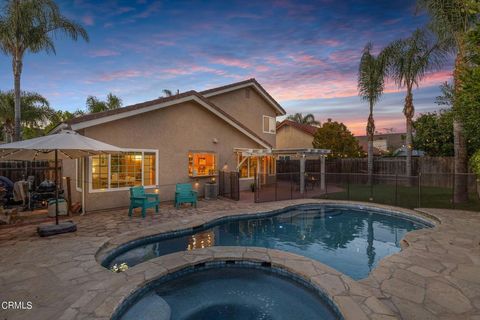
187 137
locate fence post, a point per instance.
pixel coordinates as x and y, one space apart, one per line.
371 177
419 189
348 187
276 181
291 186
396 188
453 190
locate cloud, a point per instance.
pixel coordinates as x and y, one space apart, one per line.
120 75
88 20
103 53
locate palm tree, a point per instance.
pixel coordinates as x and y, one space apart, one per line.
450 20
408 60
304 119
95 105
371 82
35 109
31 26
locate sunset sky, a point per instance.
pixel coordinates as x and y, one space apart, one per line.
305 53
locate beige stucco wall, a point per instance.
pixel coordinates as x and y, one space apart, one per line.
173 131
249 111
290 137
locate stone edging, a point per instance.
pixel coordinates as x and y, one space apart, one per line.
352 300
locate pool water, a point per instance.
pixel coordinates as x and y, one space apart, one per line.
349 239
230 293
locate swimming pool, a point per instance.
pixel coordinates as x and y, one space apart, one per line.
351 239
225 291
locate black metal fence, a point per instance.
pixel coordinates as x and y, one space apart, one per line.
229 185
21 170
423 190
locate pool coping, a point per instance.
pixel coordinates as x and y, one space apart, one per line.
129 239
352 300
349 297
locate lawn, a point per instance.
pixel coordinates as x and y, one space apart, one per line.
408 197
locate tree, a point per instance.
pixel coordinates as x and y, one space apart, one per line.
371 82
32 26
408 60
446 98
60 116
450 20
95 105
35 109
434 133
468 109
304 119
335 136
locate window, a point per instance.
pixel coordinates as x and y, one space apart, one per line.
116 171
79 173
202 164
247 166
269 124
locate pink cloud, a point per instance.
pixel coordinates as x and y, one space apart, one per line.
308 60
121 75
331 42
88 20
232 62
103 53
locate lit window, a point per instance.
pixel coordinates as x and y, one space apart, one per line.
269 125
247 166
201 164
124 170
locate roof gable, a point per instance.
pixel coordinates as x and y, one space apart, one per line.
243 84
94 119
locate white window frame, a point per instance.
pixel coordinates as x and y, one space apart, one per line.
271 121
91 190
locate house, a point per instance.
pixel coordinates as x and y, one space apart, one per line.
291 134
383 142
185 138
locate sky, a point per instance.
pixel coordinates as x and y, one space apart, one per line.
304 53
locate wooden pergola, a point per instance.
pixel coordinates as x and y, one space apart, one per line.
299 153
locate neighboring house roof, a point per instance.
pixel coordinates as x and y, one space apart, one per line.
243 84
402 152
94 119
303 127
394 140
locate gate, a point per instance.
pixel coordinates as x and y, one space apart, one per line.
229 185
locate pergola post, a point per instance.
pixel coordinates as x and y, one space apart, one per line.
302 174
322 173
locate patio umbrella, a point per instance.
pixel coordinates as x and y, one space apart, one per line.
66 144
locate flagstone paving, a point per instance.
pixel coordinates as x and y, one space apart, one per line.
435 276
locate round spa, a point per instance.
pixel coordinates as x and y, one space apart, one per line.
223 291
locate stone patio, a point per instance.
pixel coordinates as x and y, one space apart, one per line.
435 276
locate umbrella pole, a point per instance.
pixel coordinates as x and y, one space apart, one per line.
56 186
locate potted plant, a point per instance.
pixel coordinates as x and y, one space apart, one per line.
475 164
252 186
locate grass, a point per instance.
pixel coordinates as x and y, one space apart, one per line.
408 197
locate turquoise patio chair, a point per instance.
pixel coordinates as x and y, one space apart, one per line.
185 194
140 199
